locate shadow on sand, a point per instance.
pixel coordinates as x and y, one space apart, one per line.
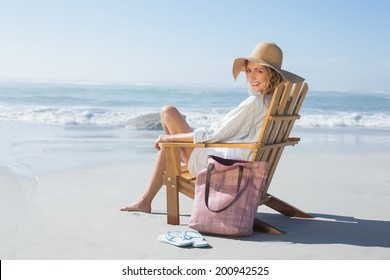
323 229
326 229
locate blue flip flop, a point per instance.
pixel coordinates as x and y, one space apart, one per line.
197 239
176 238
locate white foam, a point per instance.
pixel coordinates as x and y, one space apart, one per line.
144 119
344 119
25 177
65 116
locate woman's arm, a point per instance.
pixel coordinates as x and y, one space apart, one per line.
235 125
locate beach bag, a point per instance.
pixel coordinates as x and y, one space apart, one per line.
227 195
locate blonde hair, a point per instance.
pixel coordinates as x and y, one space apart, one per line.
274 79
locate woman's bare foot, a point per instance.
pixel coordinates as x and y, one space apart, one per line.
138 207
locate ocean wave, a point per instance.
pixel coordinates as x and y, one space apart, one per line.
66 116
142 119
149 121
345 119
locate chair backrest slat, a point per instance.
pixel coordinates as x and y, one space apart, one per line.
289 112
283 112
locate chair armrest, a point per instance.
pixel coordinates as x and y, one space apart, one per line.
211 145
252 146
181 145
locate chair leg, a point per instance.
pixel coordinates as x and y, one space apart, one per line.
285 208
260 226
173 217
172 165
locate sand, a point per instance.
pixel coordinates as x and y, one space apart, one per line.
74 214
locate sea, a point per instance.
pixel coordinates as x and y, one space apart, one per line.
47 126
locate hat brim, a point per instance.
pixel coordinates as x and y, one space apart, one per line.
239 66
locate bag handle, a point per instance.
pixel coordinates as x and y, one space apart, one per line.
210 168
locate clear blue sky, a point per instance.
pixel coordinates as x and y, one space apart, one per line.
334 44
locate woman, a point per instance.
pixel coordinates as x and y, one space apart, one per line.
242 124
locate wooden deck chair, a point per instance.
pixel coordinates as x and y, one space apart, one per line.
274 137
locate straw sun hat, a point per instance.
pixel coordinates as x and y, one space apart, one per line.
267 54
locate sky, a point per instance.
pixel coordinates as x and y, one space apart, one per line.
335 44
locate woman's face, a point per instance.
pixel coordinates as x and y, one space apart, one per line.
256 76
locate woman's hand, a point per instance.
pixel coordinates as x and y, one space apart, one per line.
181 137
160 139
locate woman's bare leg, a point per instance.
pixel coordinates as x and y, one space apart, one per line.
173 123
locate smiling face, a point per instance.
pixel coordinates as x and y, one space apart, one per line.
257 76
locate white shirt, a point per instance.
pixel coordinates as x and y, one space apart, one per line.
241 125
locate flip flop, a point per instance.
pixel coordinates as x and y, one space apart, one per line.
197 239
175 238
